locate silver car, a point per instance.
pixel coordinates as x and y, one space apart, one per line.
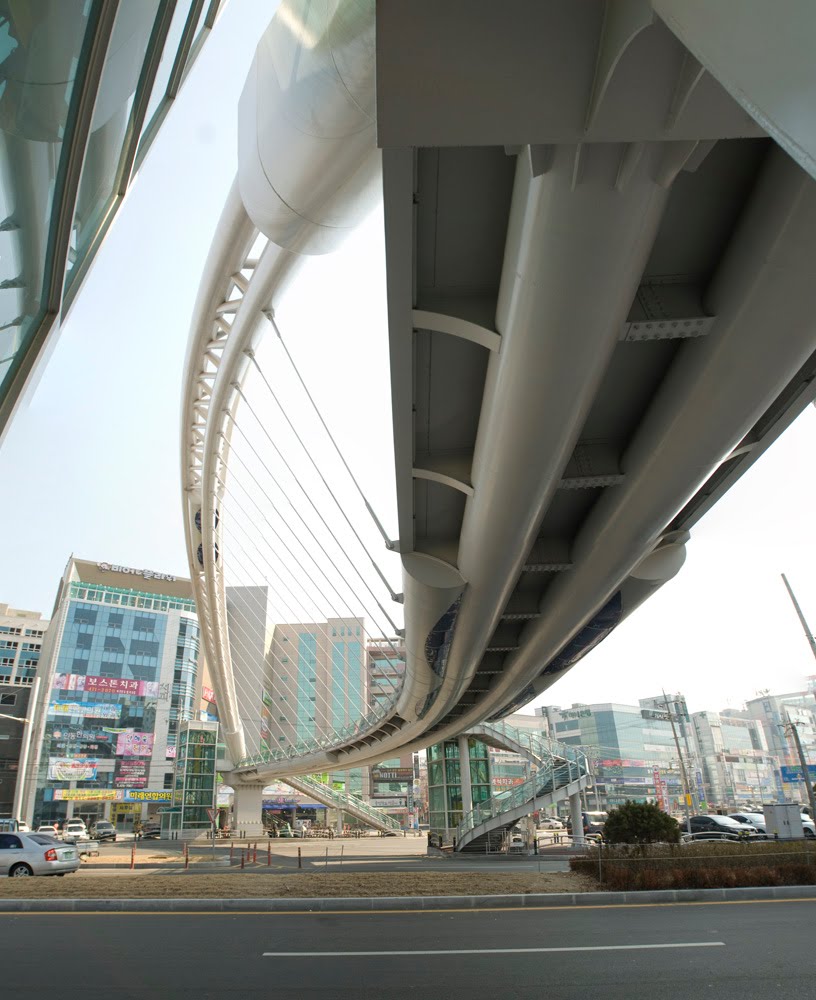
23 854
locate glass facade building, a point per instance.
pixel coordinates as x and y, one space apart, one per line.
194 780
120 673
86 85
445 805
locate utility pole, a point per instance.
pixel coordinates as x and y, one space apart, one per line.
808 634
805 773
684 778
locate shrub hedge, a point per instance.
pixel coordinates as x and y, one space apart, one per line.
705 865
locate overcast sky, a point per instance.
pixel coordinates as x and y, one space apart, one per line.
92 465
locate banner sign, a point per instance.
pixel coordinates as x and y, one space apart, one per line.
131 774
659 790
71 769
505 782
86 708
208 694
793 774
170 752
107 795
392 774
134 744
118 685
379 803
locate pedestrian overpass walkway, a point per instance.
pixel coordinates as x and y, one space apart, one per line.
581 272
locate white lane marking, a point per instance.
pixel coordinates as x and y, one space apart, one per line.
490 951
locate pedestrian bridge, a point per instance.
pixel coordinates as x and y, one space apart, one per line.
600 222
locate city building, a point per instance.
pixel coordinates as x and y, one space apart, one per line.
738 770
120 671
21 639
776 713
14 733
631 749
86 87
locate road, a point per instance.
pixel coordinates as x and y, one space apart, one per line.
731 951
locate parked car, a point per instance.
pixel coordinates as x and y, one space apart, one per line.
757 820
50 829
74 830
550 823
593 824
23 854
719 828
103 829
151 831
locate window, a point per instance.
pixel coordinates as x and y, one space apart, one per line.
283 698
8 699
281 718
8 842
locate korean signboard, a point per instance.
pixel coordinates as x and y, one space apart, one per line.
134 744
72 768
131 774
208 694
87 709
107 795
116 685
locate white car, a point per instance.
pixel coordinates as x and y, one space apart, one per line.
50 830
24 854
549 823
73 831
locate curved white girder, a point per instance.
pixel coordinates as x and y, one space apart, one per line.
582 225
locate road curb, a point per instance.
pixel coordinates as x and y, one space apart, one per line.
382 903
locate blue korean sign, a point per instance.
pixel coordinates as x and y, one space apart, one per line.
794 774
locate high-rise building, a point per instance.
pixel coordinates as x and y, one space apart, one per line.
317 680
120 670
21 639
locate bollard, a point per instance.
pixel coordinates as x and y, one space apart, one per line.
242 860
255 855
133 855
300 864
326 865
186 855
232 848
342 847
268 855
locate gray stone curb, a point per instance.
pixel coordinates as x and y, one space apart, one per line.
374 903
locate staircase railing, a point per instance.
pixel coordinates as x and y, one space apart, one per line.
348 803
565 765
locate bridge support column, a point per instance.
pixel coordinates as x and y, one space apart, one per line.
464 775
247 809
576 819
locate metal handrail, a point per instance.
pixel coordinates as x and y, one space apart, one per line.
343 800
338 738
565 765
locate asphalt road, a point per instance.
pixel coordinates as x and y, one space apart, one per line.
731 951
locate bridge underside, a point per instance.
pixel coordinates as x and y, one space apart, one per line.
600 309
599 226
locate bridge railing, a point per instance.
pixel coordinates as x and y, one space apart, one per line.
567 764
316 744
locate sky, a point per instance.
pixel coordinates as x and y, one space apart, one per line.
91 466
